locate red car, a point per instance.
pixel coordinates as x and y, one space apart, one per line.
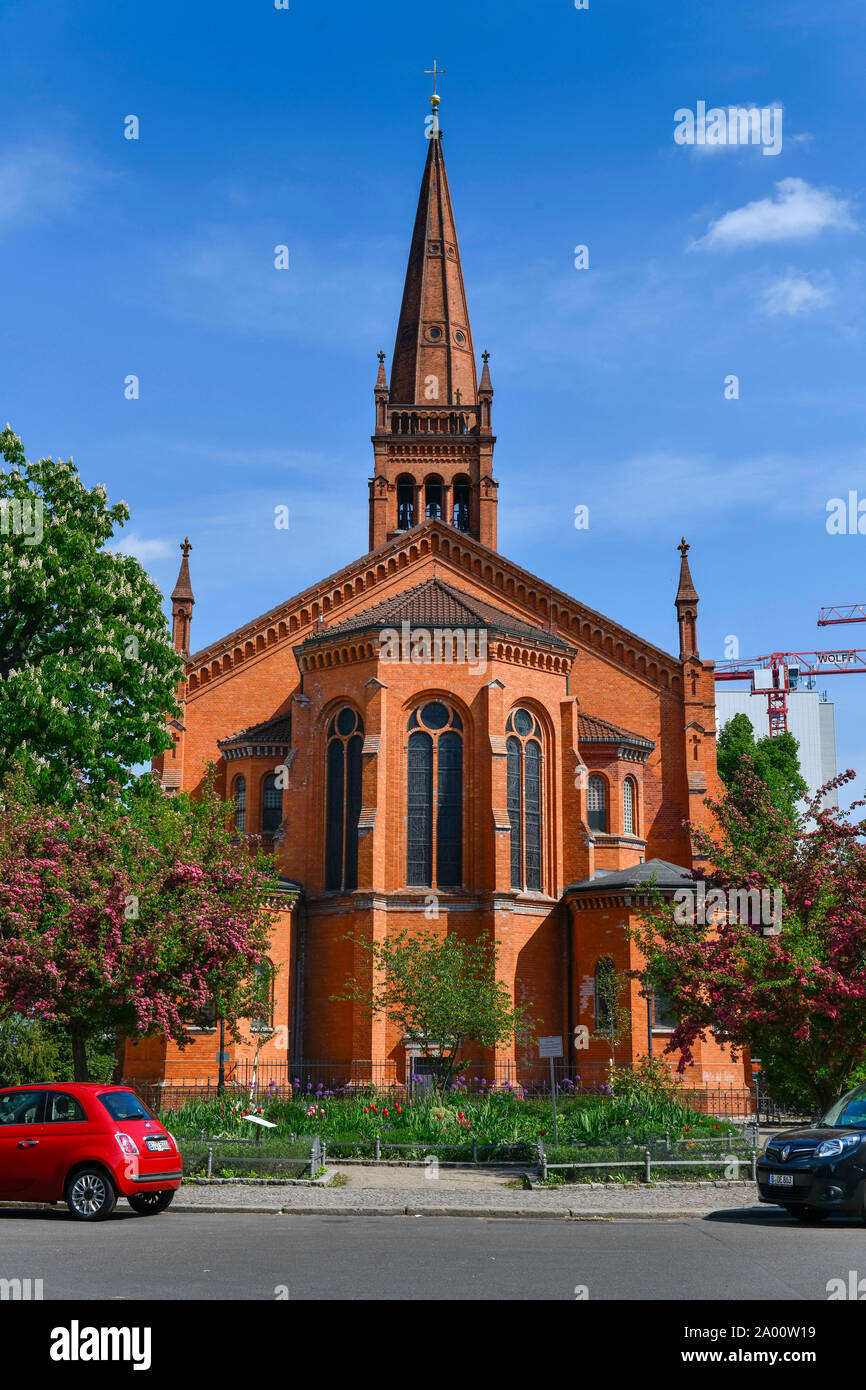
87 1144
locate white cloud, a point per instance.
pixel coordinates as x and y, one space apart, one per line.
794 294
795 212
142 548
40 179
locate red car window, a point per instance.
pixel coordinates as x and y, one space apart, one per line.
123 1105
60 1107
21 1107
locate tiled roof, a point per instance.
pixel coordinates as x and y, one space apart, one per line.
393 547
591 729
660 871
437 604
277 730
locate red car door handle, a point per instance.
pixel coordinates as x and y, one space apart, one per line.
27 1143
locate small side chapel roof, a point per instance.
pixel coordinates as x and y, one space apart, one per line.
437 604
591 729
277 731
667 876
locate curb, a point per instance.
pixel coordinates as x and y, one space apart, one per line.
484 1213
323 1181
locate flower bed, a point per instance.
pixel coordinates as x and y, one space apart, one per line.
494 1120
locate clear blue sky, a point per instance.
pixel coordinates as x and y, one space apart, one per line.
305 127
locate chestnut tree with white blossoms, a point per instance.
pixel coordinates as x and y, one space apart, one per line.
87 669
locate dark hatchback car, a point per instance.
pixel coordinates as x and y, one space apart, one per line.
815 1171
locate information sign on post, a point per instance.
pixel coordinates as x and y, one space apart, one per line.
552 1048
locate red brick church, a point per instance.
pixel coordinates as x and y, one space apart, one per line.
434 738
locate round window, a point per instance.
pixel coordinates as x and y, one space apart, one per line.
522 721
461 337
346 721
435 715
434 333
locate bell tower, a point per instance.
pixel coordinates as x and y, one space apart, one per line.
433 440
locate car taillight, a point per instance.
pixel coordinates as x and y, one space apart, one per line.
171 1137
127 1144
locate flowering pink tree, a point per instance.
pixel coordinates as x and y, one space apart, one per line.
133 918
794 990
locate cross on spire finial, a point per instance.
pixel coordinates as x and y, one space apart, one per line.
381 356
185 546
434 72
485 356
683 547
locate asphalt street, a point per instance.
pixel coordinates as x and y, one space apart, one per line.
204 1255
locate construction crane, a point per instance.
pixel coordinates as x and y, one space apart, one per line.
782 672
845 613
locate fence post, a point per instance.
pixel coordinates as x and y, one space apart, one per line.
315 1159
210 1161
667 1141
474 1150
324 1151
754 1165
647 1166
542 1160
378 1148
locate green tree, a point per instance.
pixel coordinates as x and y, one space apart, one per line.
32 1051
440 991
87 670
775 762
613 1018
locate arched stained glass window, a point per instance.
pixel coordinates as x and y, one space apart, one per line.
263 976
239 792
524 765
532 830
629 806
434 797
596 804
515 809
272 804
343 800
605 994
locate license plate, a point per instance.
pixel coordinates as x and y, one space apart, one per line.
781 1180
158 1146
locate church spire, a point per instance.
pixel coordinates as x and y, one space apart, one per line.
687 606
434 361
433 440
182 601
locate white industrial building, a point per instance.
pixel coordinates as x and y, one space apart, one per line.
811 720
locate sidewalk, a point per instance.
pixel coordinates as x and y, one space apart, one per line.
409 1192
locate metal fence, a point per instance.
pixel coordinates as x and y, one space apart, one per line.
313 1079
773 1112
317 1080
